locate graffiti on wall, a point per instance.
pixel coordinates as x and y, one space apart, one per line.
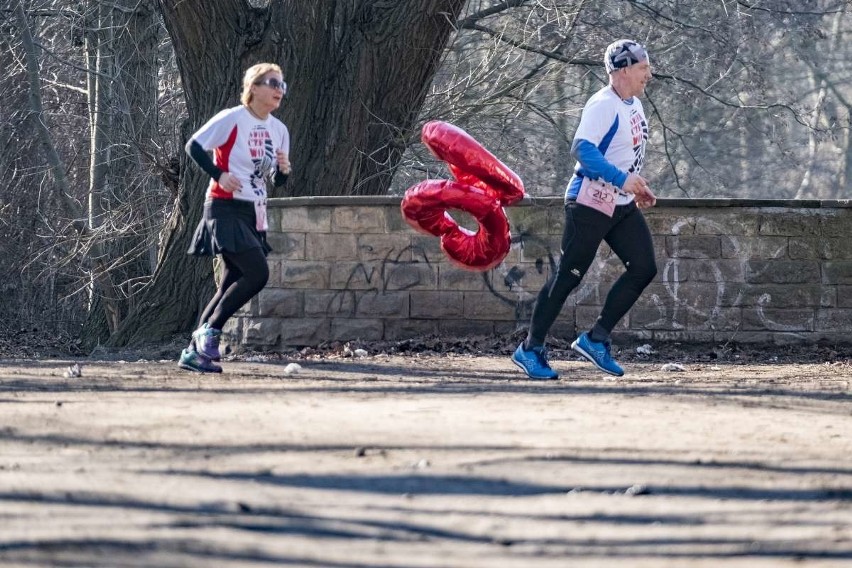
709 312
389 274
715 301
512 290
678 305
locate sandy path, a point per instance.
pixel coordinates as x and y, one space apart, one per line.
424 461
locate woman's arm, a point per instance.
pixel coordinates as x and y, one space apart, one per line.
203 159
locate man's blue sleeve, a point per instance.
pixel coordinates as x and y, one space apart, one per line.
594 165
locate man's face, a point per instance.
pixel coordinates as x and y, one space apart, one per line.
637 76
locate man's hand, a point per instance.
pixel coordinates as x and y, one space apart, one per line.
638 186
229 183
645 199
635 184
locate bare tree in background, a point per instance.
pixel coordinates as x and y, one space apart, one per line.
39 183
121 49
102 234
826 111
734 105
31 166
124 198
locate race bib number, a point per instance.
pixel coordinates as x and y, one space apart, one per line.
597 195
261 224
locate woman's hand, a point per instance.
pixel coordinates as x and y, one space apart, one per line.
283 161
229 183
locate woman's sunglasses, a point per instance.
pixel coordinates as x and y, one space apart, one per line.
274 83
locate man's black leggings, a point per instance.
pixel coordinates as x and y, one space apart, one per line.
628 236
245 274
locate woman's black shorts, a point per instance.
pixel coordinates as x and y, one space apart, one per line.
228 225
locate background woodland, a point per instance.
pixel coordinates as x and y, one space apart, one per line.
750 99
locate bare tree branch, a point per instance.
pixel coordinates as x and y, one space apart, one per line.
62 191
495 9
790 12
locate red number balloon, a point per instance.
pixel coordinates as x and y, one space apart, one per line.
483 185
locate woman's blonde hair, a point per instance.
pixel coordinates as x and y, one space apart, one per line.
254 73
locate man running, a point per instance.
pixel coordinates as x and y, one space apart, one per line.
602 203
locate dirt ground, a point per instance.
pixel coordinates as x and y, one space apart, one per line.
429 455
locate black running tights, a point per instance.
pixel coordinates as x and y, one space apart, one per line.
245 274
628 236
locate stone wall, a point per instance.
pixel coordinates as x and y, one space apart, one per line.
729 270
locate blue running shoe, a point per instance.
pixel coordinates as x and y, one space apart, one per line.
206 341
597 353
192 360
534 363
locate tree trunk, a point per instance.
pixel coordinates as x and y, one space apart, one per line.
822 84
137 53
358 74
99 46
61 190
121 49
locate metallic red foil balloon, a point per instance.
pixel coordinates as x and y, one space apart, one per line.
483 186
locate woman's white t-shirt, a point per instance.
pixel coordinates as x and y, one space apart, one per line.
244 146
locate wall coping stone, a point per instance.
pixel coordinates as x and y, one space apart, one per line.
664 202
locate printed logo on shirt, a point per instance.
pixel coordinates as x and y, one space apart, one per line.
639 134
262 156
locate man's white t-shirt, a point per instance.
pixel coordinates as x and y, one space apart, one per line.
244 146
619 130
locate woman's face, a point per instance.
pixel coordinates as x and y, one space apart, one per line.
268 90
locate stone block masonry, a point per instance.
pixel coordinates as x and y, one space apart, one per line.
350 268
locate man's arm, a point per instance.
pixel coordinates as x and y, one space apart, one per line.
595 165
